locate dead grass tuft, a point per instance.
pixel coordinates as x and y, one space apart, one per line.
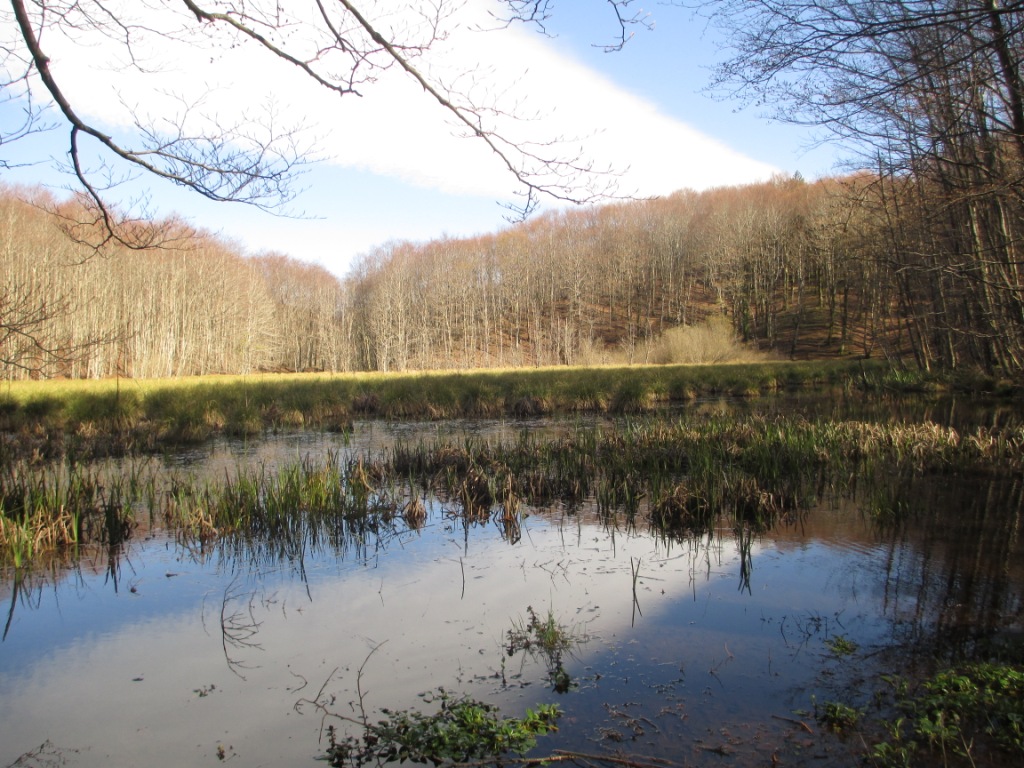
414 513
711 342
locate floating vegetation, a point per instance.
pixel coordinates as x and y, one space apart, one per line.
840 645
549 639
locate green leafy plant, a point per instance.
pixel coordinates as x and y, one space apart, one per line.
463 729
893 752
838 716
841 646
980 698
955 712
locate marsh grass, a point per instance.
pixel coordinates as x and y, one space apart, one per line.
685 478
46 511
127 415
279 505
27 538
688 475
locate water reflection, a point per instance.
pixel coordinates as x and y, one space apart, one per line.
165 652
955 564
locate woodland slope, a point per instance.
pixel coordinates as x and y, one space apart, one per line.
839 267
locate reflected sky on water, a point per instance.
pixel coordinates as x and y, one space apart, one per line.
161 654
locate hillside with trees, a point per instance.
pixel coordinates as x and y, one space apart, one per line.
794 269
193 305
600 284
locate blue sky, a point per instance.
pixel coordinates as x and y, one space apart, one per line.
390 169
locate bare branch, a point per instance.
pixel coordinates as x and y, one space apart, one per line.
625 20
230 165
538 14
537 171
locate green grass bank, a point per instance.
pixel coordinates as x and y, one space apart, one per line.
119 416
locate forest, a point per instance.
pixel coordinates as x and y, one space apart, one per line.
861 265
915 256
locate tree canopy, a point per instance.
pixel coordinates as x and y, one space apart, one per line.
892 75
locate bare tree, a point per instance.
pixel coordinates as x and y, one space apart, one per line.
930 92
859 67
34 297
22 318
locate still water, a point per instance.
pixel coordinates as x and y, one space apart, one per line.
695 651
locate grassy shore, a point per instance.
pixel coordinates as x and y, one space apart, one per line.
50 418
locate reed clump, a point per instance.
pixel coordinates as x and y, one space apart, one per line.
26 537
51 510
681 508
283 514
414 513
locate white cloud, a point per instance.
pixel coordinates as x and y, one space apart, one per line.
396 128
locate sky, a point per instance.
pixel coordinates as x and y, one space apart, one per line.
388 165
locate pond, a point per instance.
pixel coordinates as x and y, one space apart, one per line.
718 647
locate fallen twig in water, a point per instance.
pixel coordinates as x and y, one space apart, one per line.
801 723
627 761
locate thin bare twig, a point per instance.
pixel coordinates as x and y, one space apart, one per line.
800 723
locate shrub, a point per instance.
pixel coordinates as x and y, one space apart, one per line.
711 342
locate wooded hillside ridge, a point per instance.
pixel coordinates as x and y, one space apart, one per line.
786 269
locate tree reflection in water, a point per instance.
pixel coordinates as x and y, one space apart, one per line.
739 622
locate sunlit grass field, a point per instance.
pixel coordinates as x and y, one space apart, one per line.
295 399
143 414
